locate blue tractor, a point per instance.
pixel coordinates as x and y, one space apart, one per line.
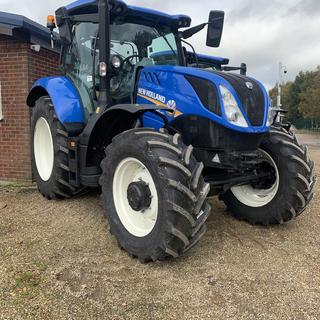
159 129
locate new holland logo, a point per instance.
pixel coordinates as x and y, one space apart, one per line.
160 100
151 95
249 85
172 105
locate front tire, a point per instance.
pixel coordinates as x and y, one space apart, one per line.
154 194
287 196
49 152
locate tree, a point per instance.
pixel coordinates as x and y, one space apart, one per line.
285 95
301 97
309 105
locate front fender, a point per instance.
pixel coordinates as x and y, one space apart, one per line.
103 127
116 120
64 96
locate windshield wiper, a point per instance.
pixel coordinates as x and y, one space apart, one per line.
167 41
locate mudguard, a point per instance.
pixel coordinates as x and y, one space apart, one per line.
64 95
100 131
117 119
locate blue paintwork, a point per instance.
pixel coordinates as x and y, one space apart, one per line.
174 86
79 3
212 59
138 13
162 53
201 57
161 17
65 98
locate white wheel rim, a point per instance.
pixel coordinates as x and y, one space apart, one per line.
253 197
43 149
137 223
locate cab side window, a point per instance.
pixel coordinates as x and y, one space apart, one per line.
78 63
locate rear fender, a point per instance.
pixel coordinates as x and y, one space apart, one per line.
64 96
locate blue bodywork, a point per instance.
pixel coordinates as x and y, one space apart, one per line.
212 59
202 58
65 98
174 87
166 83
136 14
79 3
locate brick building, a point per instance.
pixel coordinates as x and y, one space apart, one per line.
21 63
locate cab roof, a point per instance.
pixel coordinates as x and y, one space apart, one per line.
135 14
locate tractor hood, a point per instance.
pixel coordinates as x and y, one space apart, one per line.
218 96
251 94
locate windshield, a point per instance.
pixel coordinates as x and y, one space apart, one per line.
130 39
145 45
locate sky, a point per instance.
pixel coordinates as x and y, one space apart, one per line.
261 33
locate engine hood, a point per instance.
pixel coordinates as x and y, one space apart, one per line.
174 84
250 93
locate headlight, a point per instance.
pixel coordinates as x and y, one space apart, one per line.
231 108
116 62
271 114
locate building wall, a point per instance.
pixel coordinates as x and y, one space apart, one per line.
19 68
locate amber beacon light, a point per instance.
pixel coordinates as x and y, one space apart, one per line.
51 22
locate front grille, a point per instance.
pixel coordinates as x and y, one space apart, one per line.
206 92
252 100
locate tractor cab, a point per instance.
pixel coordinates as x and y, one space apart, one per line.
138 38
132 47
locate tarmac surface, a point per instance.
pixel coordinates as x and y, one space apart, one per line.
58 261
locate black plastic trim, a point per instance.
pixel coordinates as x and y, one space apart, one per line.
207 93
203 133
252 99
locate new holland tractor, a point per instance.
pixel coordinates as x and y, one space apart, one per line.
160 128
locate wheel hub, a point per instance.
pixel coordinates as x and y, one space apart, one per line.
43 149
134 188
262 193
139 196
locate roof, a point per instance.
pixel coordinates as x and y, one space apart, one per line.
15 21
133 13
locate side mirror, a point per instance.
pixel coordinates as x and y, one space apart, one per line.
215 28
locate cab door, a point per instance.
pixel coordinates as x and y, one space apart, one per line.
80 60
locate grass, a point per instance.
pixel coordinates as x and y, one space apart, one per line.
27 282
8 252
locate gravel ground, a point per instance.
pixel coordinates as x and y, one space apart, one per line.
58 261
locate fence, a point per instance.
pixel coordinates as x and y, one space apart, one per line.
307 124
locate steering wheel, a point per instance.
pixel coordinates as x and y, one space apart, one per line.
124 74
129 59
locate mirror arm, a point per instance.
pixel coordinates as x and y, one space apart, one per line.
194 51
186 34
242 68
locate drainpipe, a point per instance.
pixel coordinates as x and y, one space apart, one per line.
1 114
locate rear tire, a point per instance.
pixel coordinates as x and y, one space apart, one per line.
296 183
49 152
177 191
